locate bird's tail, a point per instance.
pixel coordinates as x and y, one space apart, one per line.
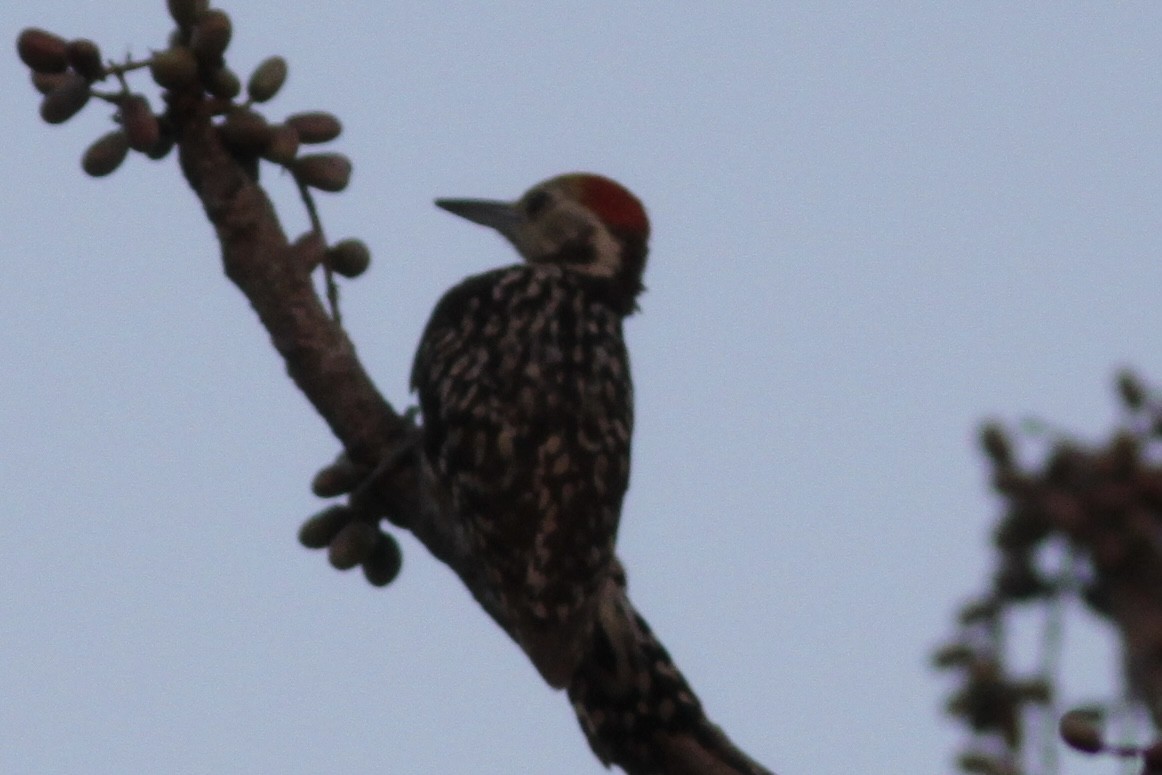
635 706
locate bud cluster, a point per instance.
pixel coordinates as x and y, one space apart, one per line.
352 538
193 66
199 91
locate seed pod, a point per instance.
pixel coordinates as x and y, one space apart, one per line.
246 131
383 564
165 141
223 83
66 100
353 544
350 258
267 79
315 126
283 145
42 51
46 82
187 12
1081 731
85 57
338 478
320 530
211 36
324 171
139 122
174 68
106 154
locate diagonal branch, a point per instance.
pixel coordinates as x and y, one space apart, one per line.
634 705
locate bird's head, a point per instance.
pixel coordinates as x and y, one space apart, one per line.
583 222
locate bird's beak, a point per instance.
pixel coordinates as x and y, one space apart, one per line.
502 216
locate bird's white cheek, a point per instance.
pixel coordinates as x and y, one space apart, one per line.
607 256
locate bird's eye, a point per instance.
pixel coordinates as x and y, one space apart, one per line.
535 203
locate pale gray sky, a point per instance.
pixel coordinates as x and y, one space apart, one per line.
872 227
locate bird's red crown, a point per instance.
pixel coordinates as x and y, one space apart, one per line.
611 202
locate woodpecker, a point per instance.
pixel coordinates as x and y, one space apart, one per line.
526 397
